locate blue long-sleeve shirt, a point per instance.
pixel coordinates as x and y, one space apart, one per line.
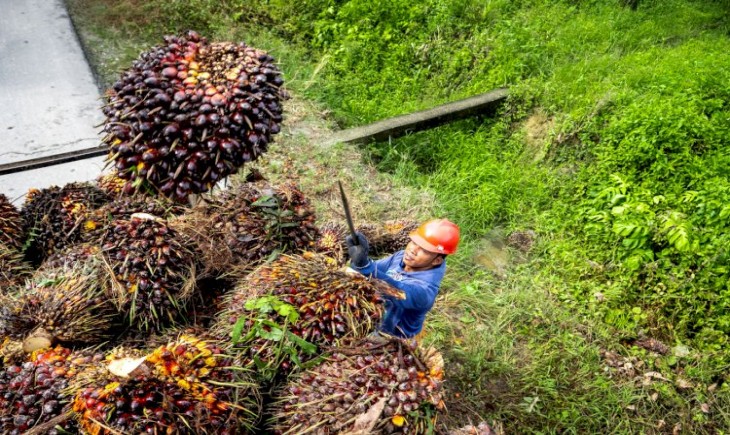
404 318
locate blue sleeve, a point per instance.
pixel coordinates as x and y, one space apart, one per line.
419 294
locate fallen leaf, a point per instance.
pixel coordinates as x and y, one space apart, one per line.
683 384
705 408
365 423
654 397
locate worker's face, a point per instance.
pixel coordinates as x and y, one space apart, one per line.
416 258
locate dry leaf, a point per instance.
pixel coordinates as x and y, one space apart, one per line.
125 367
684 384
705 408
365 423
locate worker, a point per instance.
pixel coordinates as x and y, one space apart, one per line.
417 271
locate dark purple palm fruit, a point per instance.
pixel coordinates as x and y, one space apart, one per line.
11 224
188 113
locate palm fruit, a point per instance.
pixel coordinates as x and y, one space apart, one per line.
355 378
66 305
13 268
151 274
240 228
11 224
388 237
52 217
35 393
188 113
186 386
330 304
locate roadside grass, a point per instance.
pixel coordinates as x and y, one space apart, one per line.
525 344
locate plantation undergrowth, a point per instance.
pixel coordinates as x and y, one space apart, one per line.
609 162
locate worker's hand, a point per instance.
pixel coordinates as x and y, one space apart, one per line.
358 253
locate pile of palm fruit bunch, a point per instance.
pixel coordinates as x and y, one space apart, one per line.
53 217
12 267
186 386
34 394
150 271
64 305
188 113
239 228
401 380
384 238
307 298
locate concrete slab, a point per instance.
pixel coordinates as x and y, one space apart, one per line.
49 99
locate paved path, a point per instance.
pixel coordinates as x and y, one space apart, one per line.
48 97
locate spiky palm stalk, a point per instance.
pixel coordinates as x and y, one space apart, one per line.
186 386
13 268
240 228
189 113
35 392
150 272
53 217
11 224
355 378
66 305
331 306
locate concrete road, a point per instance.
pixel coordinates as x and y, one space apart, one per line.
48 98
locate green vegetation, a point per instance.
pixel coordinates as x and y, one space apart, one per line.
612 149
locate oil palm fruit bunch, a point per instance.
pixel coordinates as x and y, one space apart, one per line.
11 224
65 305
13 268
52 217
188 113
151 273
251 222
389 237
193 362
331 241
404 378
186 386
34 392
307 297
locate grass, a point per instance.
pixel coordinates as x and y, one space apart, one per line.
526 339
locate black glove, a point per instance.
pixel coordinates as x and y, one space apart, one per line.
358 253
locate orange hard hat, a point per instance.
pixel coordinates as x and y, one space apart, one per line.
440 236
